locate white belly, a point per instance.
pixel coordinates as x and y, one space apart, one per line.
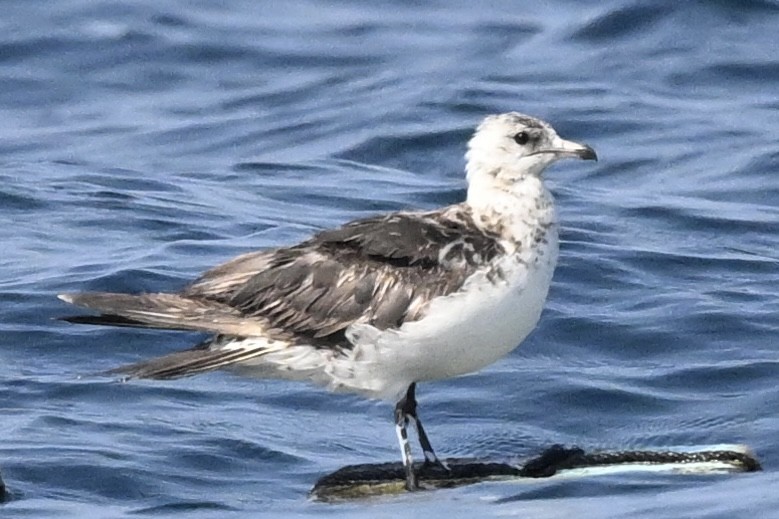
460 333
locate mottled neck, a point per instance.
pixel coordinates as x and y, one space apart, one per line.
514 211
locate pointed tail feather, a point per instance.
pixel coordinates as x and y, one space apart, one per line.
189 362
166 311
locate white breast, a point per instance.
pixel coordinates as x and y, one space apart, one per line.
461 333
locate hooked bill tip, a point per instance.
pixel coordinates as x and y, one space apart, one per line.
587 153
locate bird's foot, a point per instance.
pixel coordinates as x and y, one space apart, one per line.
433 463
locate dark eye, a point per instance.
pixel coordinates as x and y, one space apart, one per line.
521 138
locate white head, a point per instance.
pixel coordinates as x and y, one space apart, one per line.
509 147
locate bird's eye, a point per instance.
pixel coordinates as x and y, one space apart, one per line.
521 138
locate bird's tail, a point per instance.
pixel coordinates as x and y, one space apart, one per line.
176 312
200 359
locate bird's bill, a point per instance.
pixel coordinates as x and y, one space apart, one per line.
563 148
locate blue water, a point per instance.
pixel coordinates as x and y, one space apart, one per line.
143 142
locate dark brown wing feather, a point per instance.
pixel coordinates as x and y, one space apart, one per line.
167 311
380 270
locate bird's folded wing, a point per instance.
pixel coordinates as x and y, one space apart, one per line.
383 271
169 311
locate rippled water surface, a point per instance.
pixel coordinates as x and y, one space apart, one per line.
141 142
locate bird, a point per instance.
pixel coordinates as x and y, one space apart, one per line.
379 304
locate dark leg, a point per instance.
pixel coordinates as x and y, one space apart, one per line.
405 411
411 412
401 421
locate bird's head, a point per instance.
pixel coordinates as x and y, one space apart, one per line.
508 147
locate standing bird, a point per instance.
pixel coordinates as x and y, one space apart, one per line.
379 304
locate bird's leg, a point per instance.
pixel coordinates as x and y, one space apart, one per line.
401 421
411 412
405 411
